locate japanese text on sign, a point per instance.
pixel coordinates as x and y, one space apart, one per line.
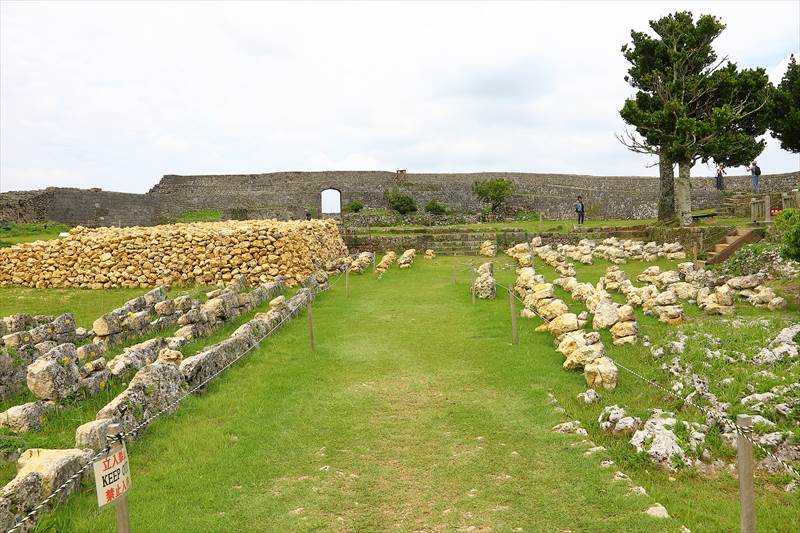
112 476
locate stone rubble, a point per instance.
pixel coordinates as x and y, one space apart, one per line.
361 262
407 258
385 262
658 439
485 285
488 249
202 253
613 420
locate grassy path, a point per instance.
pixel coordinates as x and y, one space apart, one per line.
415 413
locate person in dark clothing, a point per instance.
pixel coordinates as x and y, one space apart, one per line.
579 209
720 177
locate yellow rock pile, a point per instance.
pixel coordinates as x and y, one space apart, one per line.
202 253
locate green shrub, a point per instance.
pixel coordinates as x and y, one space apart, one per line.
354 206
401 202
788 223
435 207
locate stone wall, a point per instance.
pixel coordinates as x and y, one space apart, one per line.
288 194
84 207
24 206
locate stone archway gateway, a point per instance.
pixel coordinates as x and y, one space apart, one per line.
331 202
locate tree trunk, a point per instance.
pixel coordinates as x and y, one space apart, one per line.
683 194
666 199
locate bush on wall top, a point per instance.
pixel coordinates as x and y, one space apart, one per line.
354 206
435 207
401 202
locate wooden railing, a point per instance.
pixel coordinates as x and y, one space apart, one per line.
790 199
759 209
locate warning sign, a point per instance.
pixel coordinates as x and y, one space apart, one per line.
112 476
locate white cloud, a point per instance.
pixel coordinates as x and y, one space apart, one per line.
116 94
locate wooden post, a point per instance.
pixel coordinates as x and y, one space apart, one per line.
472 268
121 504
347 281
310 312
744 457
694 252
540 222
766 207
514 332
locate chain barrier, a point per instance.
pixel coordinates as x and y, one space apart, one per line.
121 436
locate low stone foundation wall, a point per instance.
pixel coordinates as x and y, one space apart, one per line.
155 390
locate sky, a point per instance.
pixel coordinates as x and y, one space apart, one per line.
115 95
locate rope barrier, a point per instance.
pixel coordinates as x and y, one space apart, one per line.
728 424
133 432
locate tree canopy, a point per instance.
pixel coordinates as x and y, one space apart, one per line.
784 109
493 191
689 106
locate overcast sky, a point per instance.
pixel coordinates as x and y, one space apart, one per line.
114 95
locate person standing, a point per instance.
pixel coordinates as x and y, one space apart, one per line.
579 209
720 177
755 172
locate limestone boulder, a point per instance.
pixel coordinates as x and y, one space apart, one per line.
92 435
54 466
29 416
777 303
626 313
744 282
488 249
666 298
606 314
553 309
108 324
583 355
55 376
601 373
154 388
684 290
167 307
563 324
670 314
667 278
95 382
624 329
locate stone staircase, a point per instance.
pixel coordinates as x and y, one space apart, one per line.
728 246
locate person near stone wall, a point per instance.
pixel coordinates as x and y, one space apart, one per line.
720 177
580 210
755 172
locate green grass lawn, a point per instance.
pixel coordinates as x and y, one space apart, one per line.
12 234
201 215
564 226
414 413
